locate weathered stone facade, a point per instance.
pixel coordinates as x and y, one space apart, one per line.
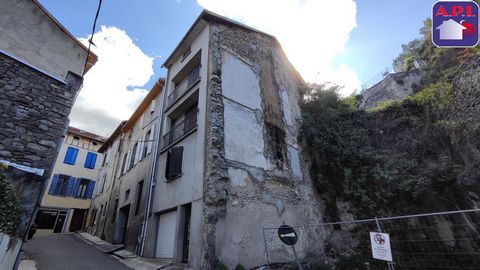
254 173
34 109
34 112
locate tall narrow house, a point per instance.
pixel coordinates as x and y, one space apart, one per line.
228 161
120 198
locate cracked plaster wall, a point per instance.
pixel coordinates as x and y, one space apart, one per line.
254 173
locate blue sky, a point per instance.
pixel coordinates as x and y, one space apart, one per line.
352 41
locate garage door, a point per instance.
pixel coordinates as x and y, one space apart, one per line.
166 235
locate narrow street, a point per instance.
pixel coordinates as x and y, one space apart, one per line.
67 251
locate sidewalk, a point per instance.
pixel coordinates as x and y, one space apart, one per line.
124 256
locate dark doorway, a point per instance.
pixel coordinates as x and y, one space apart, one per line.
78 220
186 233
60 221
122 223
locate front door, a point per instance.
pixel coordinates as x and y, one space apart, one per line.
122 223
78 220
60 222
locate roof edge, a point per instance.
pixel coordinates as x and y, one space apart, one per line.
210 16
91 57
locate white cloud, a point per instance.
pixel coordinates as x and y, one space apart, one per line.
112 89
312 32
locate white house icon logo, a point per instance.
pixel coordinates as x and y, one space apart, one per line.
451 30
455 24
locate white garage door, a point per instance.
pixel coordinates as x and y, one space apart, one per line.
166 235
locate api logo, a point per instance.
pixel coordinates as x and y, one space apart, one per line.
455 24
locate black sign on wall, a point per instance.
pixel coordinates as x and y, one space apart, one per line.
287 235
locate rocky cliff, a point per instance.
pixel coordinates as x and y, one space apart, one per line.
417 155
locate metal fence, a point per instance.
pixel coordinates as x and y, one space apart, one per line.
444 240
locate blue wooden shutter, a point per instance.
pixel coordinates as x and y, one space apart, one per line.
87 161
71 156
70 186
53 185
68 156
90 188
77 185
74 155
93 160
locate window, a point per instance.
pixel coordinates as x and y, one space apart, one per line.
127 194
104 159
90 161
124 164
186 52
173 168
81 190
134 154
146 143
114 215
60 185
103 183
71 155
139 197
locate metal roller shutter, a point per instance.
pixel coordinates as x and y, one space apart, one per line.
166 235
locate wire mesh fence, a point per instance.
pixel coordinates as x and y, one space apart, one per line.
446 240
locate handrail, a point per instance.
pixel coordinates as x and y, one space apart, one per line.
182 128
192 78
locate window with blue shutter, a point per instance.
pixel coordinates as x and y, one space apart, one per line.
53 185
81 188
91 160
71 155
70 186
90 188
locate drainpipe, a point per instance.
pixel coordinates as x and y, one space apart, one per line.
153 171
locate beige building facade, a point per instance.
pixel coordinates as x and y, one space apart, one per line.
65 203
228 161
120 200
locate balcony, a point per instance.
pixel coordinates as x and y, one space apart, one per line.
182 88
179 131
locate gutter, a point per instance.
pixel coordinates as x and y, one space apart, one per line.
158 129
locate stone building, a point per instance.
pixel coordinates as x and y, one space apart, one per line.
228 161
69 190
394 86
41 69
118 208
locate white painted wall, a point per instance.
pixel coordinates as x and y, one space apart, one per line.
31 36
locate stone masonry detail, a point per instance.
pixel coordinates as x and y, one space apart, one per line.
34 111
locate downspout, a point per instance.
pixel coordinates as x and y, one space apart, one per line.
157 131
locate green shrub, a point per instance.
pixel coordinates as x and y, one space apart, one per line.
9 207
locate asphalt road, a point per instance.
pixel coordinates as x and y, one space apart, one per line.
66 251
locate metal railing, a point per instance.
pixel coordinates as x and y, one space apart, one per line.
192 78
188 124
442 240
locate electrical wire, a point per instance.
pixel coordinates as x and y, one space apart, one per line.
90 40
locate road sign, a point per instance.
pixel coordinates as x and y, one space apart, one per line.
287 235
381 246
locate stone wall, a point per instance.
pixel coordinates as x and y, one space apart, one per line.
254 172
34 111
394 86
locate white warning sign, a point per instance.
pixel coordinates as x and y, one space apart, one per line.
381 246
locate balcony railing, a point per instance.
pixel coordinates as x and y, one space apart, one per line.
184 86
188 124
